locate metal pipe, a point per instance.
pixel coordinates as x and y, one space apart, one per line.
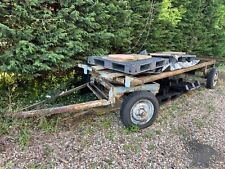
64 93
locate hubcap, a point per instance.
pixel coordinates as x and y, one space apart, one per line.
142 112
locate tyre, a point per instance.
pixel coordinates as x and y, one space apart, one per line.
139 109
212 78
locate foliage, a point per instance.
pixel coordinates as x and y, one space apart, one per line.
52 35
170 14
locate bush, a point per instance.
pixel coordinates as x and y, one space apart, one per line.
38 36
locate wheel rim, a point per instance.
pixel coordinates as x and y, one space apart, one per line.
215 79
142 112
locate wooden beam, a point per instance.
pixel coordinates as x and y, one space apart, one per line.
151 78
63 109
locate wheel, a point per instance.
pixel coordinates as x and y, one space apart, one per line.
212 78
139 109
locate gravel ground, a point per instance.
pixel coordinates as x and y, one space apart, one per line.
188 133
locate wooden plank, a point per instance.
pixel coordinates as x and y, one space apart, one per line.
63 109
151 78
148 79
127 57
109 75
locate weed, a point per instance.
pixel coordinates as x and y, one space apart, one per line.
88 130
211 108
109 161
158 132
4 126
93 165
151 146
24 137
133 129
199 122
169 112
35 166
182 131
132 147
47 150
48 125
159 119
110 135
221 67
106 124
100 112
149 134
173 109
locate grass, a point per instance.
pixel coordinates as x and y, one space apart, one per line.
171 111
109 161
132 147
106 123
221 67
8 124
199 122
158 132
151 147
35 166
211 108
110 135
4 126
47 150
182 132
24 137
129 130
149 134
88 130
48 125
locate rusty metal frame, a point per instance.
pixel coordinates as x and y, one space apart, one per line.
106 78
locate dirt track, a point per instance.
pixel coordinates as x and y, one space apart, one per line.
188 133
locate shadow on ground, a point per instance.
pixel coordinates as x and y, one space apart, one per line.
202 155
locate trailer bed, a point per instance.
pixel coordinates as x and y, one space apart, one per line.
110 87
129 81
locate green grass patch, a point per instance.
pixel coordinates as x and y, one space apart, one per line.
151 147
24 137
48 125
133 147
132 129
221 67
110 135
36 166
149 134
199 122
106 123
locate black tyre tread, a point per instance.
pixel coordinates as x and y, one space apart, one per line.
210 78
128 103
